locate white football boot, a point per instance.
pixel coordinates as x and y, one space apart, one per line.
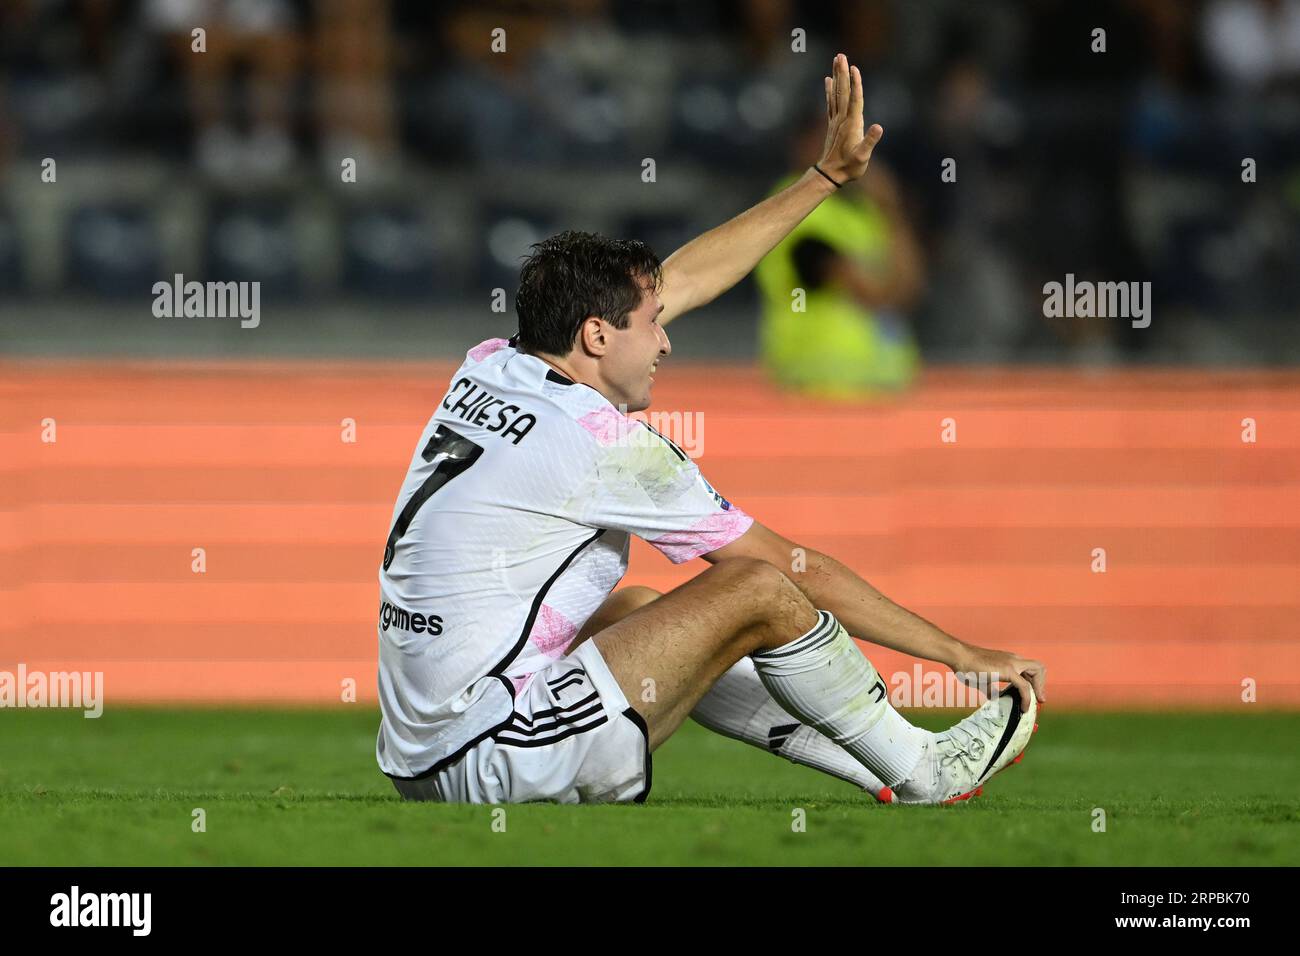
956 762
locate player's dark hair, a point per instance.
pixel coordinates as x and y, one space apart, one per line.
576 274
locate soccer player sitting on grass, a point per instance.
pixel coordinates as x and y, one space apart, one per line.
509 672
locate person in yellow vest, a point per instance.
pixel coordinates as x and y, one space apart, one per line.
834 289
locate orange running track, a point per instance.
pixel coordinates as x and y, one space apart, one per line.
991 536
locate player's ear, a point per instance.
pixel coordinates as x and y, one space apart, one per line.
593 337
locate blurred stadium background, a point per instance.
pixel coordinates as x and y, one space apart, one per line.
179 434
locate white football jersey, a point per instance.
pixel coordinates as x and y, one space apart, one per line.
510 530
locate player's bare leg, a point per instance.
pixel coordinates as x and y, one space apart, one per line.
674 649
667 653
739 706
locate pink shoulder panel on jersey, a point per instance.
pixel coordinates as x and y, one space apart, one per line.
481 351
606 424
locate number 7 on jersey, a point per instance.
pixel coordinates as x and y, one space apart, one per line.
451 454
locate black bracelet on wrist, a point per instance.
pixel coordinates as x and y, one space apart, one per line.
819 169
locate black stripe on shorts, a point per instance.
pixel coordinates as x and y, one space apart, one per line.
554 711
559 722
544 741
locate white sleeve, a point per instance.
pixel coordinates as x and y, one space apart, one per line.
645 485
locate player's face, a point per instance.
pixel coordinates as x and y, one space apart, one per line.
632 363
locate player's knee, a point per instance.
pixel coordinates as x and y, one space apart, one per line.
769 607
764 585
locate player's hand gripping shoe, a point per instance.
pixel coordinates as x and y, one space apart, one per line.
956 762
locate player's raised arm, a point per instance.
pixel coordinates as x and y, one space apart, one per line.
712 263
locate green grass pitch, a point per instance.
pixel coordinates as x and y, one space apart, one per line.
302 788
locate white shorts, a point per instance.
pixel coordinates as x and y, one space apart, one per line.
573 738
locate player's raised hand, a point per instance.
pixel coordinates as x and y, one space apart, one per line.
848 148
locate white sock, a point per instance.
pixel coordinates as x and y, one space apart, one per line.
823 679
739 706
